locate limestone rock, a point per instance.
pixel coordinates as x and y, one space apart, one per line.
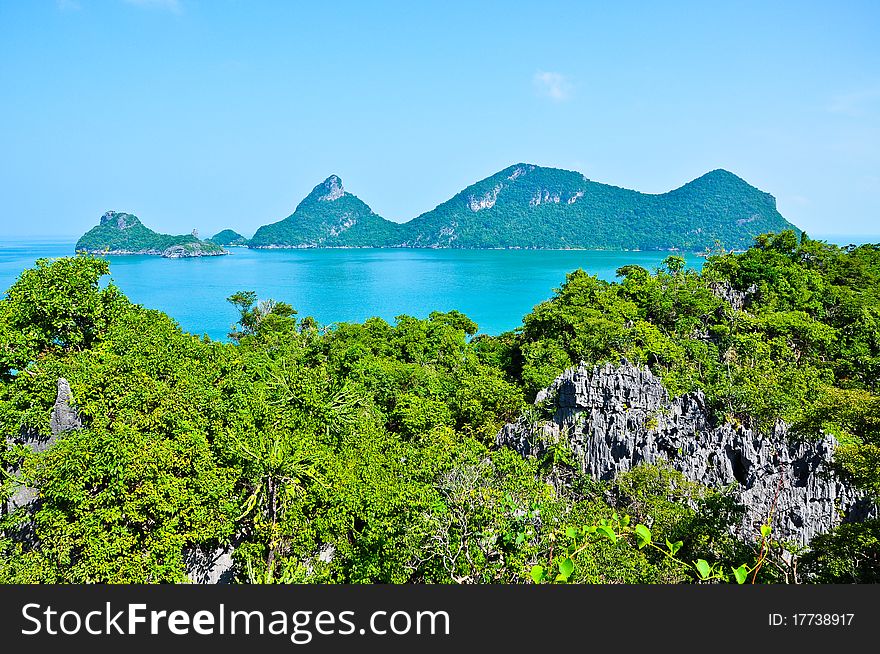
214 567
64 416
738 300
198 249
613 418
332 189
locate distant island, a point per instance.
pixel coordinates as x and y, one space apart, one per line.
123 233
522 207
527 206
229 238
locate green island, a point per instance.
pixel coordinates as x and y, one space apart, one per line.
123 233
228 238
421 452
522 206
527 206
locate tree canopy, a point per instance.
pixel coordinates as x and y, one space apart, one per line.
367 453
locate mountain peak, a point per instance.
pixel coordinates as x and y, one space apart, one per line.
119 220
720 175
721 181
517 170
330 189
531 206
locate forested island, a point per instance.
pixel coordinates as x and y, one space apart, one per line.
527 206
123 233
523 206
228 238
672 426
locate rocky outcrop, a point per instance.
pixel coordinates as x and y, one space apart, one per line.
486 200
119 220
64 418
738 300
192 250
333 189
612 418
64 415
210 567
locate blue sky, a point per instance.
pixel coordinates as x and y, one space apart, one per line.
222 113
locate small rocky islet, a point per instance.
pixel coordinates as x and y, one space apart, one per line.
120 233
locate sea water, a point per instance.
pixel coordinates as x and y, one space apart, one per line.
495 288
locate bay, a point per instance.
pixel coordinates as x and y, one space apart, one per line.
495 288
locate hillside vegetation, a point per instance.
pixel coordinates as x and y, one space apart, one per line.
329 217
527 206
228 237
124 233
367 452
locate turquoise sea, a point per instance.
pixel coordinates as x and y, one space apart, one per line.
495 288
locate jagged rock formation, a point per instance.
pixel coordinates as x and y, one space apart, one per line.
738 300
64 418
613 418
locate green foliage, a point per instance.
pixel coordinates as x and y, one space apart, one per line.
256 317
228 238
806 340
850 554
366 453
527 206
326 218
56 307
619 531
124 233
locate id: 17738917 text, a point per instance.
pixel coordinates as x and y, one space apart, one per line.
810 619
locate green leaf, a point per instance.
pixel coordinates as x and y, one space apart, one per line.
765 531
703 568
566 567
673 547
643 535
573 532
608 532
537 573
741 573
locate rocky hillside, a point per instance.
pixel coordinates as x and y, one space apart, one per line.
612 418
533 207
527 206
123 233
328 217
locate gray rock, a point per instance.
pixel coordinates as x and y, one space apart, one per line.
215 567
738 300
613 418
190 250
118 220
64 418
